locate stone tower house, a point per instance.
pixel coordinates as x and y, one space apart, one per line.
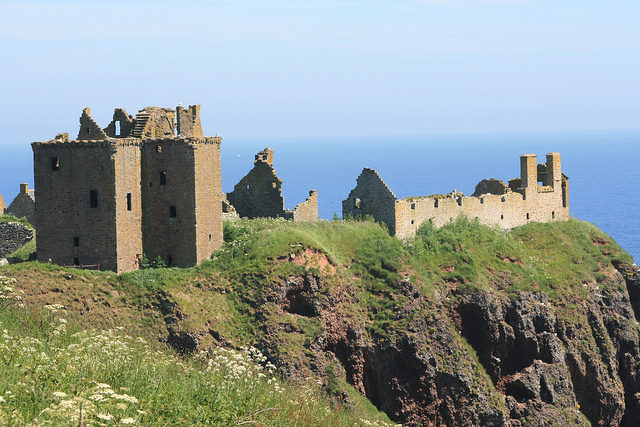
142 185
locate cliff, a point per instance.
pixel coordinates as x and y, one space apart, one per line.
462 325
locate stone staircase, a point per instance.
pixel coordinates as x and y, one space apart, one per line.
140 123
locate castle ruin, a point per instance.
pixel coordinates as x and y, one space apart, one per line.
23 205
148 184
493 202
3 206
259 194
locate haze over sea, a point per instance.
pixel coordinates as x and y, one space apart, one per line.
604 177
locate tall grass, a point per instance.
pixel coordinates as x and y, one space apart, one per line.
51 374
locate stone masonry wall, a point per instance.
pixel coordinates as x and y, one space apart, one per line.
307 210
510 207
128 205
169 204
3 206
372 196
259 193
13 236
24 205
208 191
70 230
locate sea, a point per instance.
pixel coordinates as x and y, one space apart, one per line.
603 169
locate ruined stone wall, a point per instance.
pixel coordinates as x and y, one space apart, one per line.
128 204
208 195
24 205
371 196
13 236
307 210
259 193
3 206
506 211
493 203
70 230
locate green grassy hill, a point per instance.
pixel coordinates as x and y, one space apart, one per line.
345 317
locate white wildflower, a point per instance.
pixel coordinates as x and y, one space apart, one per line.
59 394
105 417
127 421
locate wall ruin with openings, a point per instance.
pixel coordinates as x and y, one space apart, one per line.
493 202
259 194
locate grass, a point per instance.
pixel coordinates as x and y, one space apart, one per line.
226 299
52 373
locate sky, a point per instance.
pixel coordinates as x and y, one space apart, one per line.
291 68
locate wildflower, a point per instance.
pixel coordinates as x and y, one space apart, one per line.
59 394
105 417
97 397
127 421
2 399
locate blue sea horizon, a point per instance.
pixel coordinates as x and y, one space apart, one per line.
604 177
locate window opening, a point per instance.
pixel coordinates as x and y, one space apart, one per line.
76 261
158 149
55 163
128 201
527 215
413 206
357 203
117 127
163 178
76 241
501 216
553 214
93 198
209 237
88 131
169 260
435 203
172 212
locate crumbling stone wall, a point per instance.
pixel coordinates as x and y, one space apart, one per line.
371 196
101 200
13 236
493 203
121 126
307 210
24 204
228 211
259 194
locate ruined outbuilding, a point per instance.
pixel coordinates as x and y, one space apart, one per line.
148 184
493 202
259 194
24 204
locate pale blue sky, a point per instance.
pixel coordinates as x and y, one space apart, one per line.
315 68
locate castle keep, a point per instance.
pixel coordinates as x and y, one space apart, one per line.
148 184
493 202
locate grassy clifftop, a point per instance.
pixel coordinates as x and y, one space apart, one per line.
331 304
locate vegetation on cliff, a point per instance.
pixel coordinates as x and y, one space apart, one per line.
463 324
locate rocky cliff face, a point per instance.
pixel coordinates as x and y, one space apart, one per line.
538 363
